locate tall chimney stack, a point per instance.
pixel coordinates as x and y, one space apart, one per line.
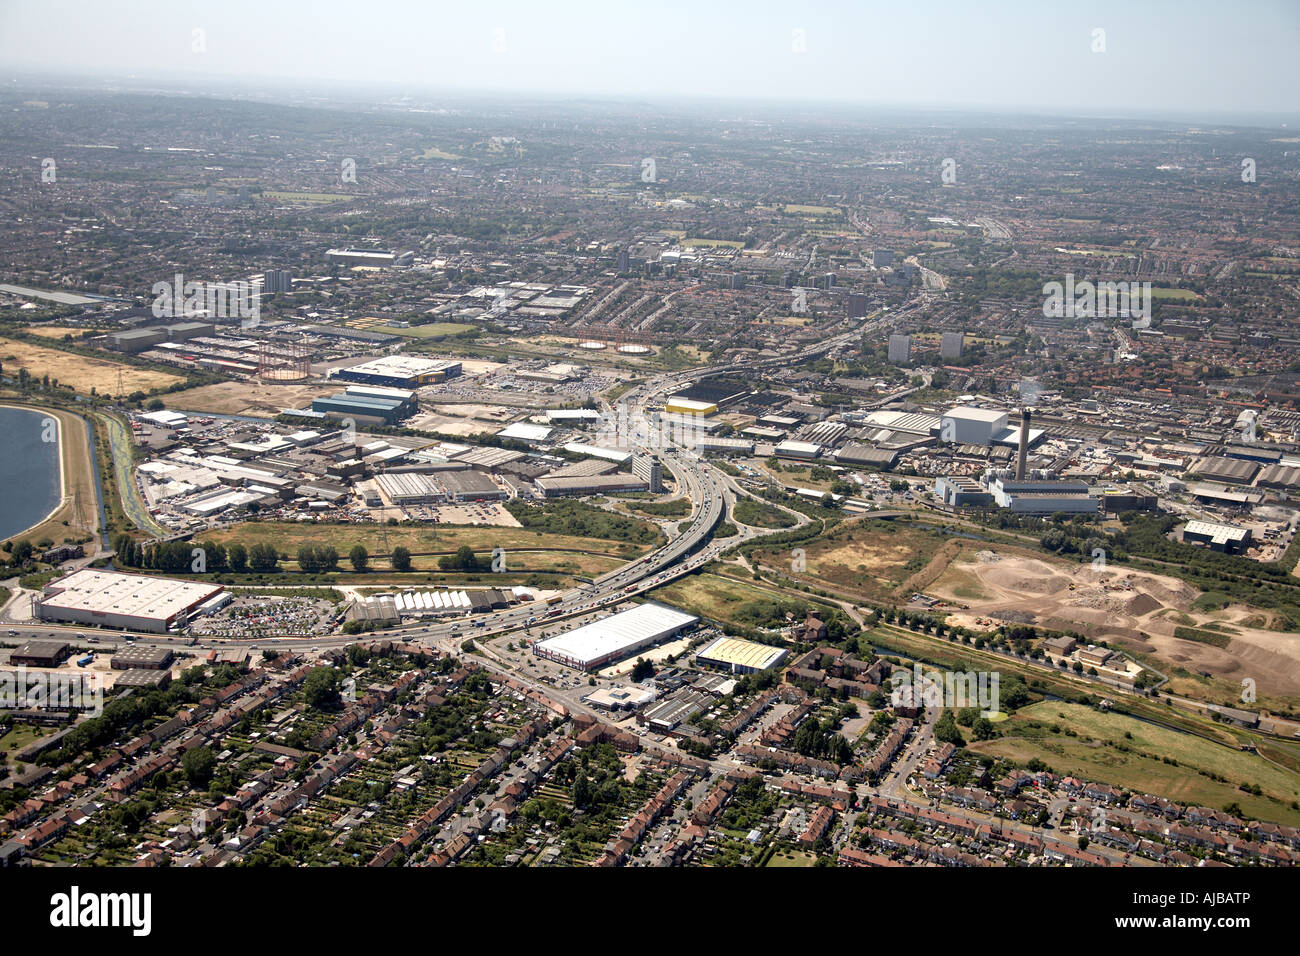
1024 444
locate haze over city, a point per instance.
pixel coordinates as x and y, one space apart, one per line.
1157 58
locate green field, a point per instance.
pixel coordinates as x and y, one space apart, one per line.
794 209
759 514
305 197
432 330
708 595
1158 293
1095 754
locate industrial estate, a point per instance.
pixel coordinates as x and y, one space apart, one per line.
439 489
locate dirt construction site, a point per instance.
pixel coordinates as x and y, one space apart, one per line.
1134 610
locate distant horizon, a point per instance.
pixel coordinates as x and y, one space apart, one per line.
273 89
1093 58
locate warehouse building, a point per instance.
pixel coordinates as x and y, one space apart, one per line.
723 446
740 657
855 455
380 258
552 487
400 371
689 406
409 488
803 450
363 409
603 642
40 654
129 601
142 657
470 486
1227 538
144 679
1235 470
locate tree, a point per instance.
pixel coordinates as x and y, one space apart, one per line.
643 670
308 560
199 765
401 559
321 688
359 557
237 557
263 557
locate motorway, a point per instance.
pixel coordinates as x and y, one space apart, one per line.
711 493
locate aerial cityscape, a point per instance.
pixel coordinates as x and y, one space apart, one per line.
417 477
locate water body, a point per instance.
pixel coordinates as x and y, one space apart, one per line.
29 471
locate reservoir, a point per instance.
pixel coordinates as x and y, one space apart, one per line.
29 471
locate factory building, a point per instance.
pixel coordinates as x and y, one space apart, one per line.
966 425
400 371
1043 497
957 491
129 601
616 637
1227 538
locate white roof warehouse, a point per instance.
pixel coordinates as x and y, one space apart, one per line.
130 601
613 638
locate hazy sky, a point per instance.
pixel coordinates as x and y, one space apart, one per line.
1198 56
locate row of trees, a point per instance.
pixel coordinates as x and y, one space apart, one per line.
185 557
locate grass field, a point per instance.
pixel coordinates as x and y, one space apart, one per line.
53 331
433 152
758 514
1157 293
796 210
20 736
796 858
78 371
432 330
305 197
709 595
1095 755
868 558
